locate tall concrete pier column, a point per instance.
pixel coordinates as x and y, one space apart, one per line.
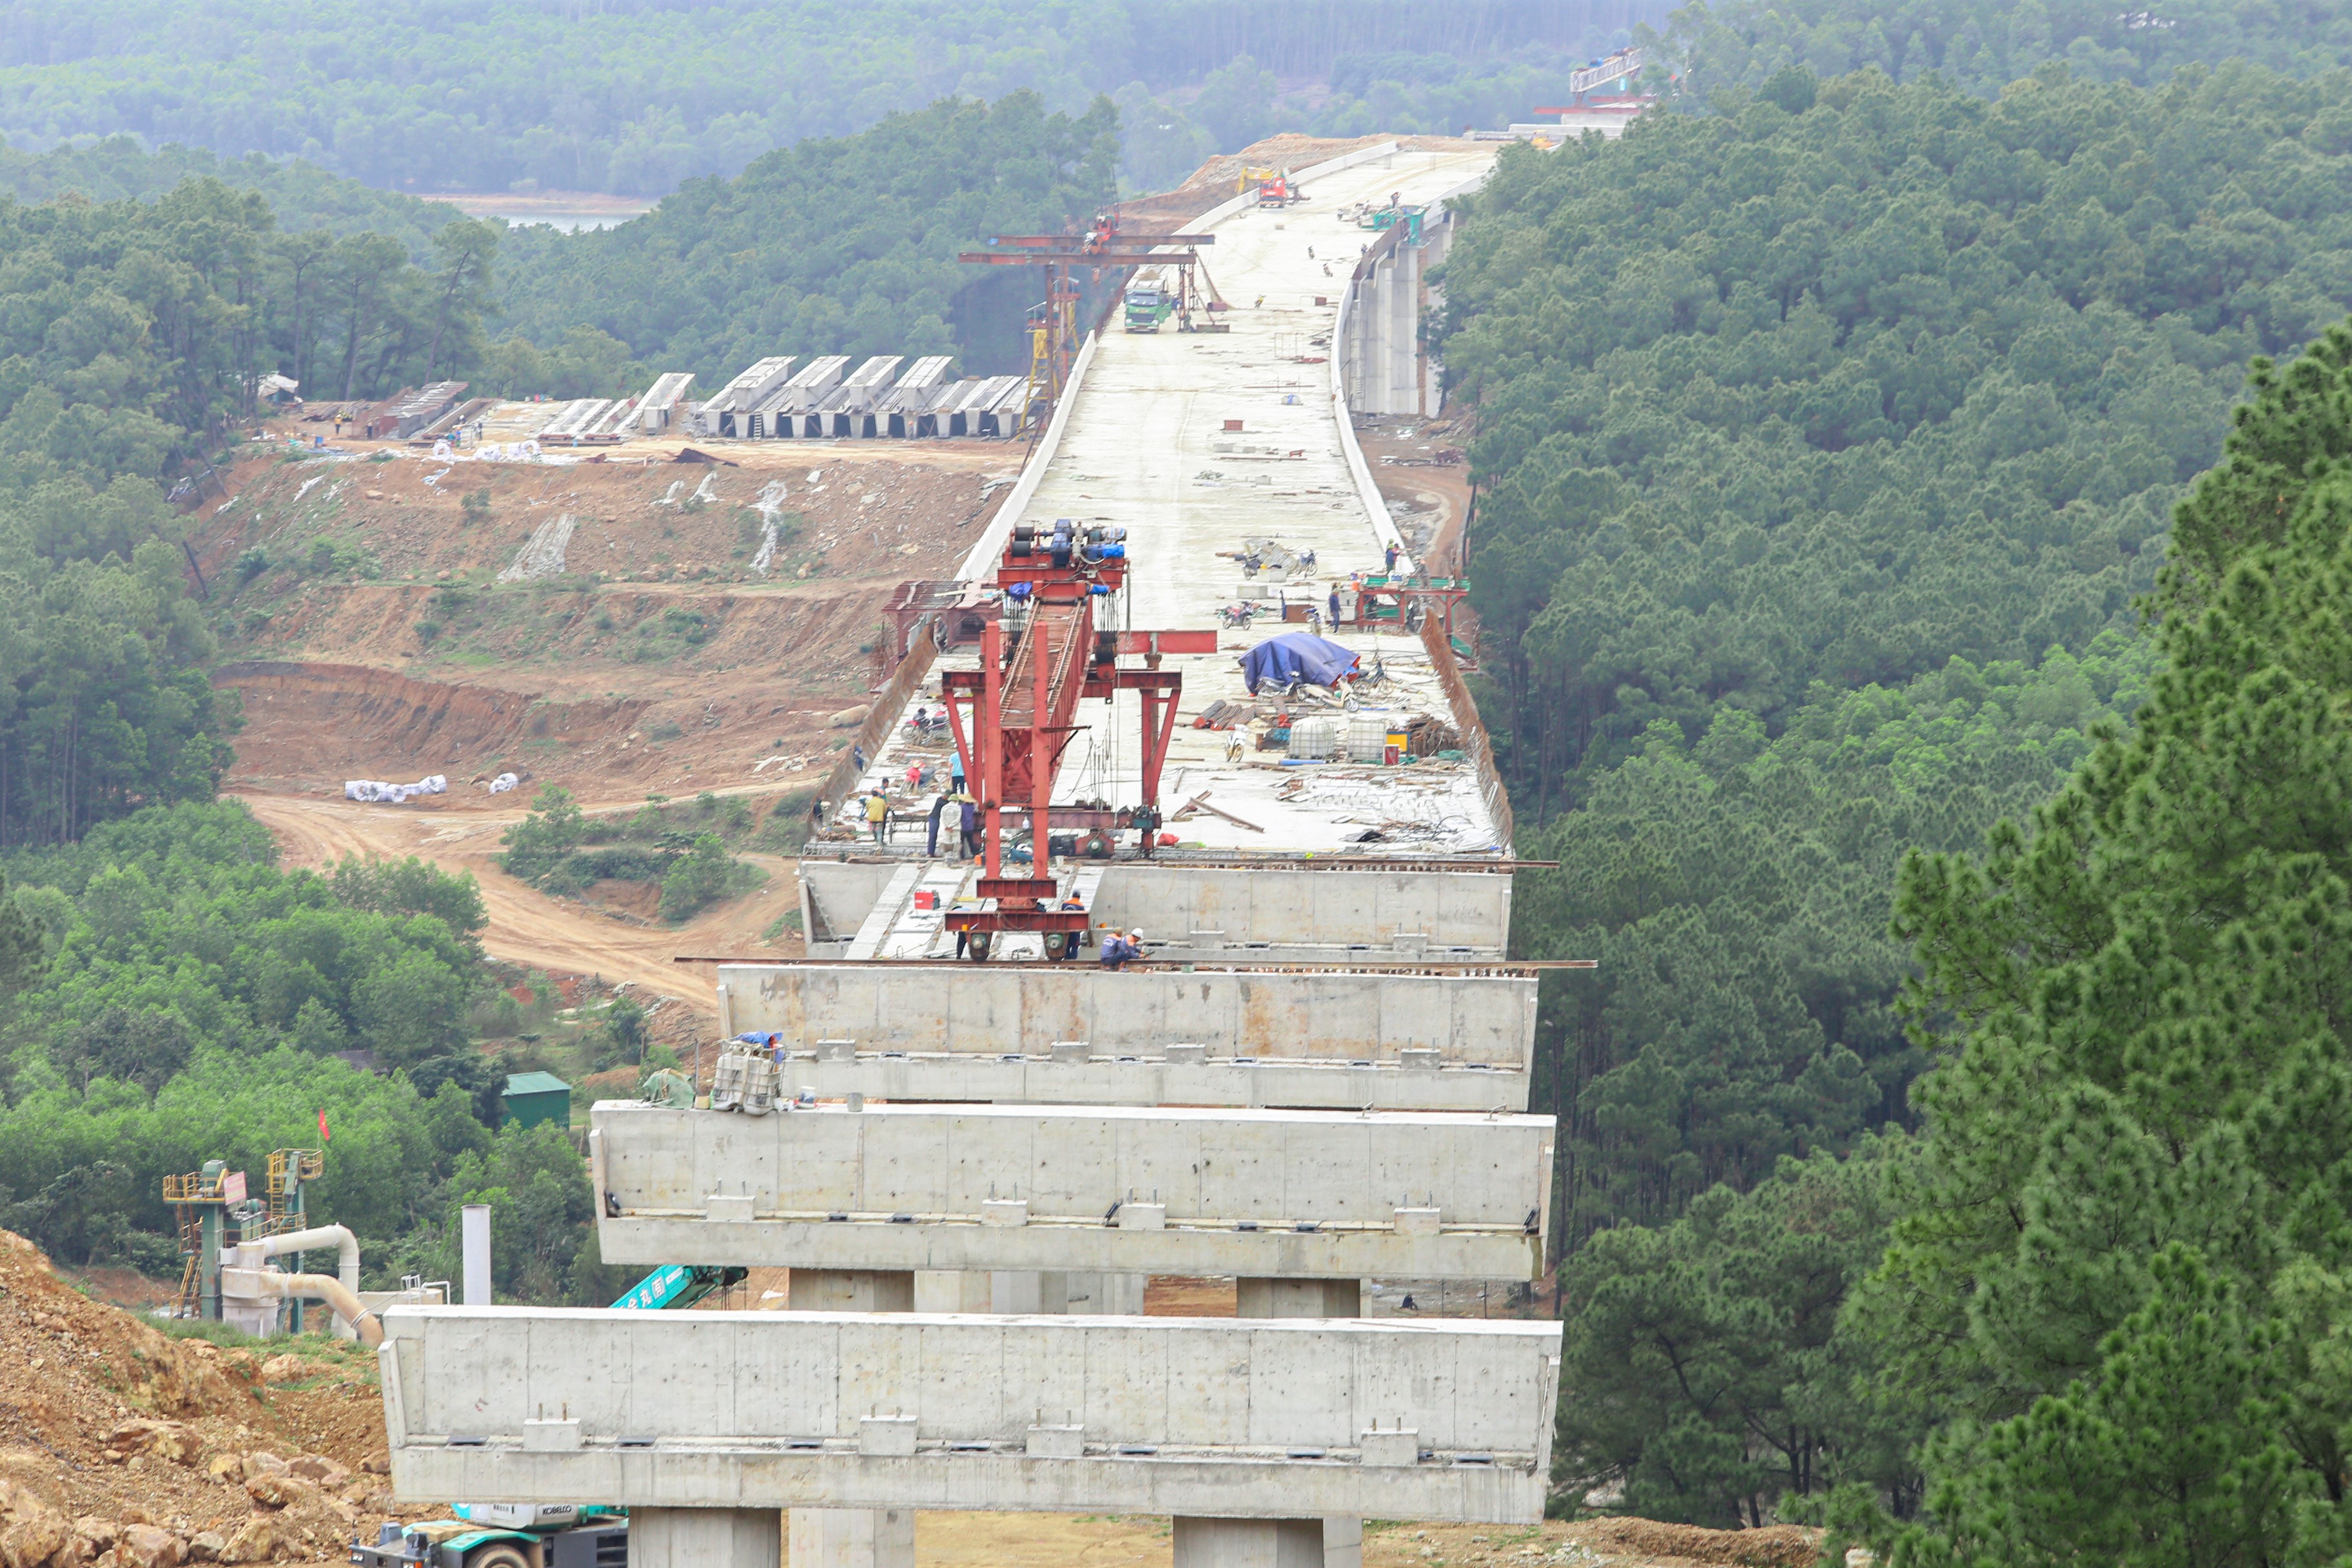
1249 1543
1339 1539
708 1538
852 1538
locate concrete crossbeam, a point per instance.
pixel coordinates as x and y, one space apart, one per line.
1114 1189
1195 1416
963 1078
989 1010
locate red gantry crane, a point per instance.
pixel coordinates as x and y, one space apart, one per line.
1053 326
1042 652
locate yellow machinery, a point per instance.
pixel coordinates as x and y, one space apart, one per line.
208 1201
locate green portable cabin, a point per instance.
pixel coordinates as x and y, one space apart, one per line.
533 1097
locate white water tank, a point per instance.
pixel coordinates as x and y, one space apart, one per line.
1368 737
1314 735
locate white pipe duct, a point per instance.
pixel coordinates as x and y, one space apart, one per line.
317 1239
268 1284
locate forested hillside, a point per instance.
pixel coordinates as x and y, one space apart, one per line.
2116 1283
835 246
634 95
2093 1310
1825 444
1982 45
174 999
302 195
1827 441
136 329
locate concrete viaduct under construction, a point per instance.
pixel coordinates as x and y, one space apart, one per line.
1314 1077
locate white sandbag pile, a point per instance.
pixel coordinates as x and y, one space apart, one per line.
375 792
503 782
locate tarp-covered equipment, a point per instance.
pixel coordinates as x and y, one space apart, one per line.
1294 656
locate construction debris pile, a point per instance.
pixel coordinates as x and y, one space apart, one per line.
123 1449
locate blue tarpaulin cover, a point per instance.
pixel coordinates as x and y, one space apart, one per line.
1295 656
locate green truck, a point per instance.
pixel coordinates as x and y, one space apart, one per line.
505 1535
1150 298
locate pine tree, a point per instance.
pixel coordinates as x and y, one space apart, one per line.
2117 1282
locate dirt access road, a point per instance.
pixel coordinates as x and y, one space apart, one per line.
526 926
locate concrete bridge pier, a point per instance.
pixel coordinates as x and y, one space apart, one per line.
851 1537
953 1291
716 1538
1298 1298
1031 1290
1338 1541
852 1290
1026 1291
1250 1543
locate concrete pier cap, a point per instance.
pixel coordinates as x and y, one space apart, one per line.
1117 1189
988 1010
1072 1034
1199 1417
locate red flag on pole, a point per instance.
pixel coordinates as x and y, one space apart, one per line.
322 1124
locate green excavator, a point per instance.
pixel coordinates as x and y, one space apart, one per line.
540 1535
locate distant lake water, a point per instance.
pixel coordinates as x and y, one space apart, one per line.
570 211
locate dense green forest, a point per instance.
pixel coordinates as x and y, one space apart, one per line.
302 195
137 330
166 993
1982 45
834 245
640 97
1827 441
177 997
2093 1308
1845 425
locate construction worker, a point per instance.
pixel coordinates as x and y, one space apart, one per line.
816 817
857 758
1335 606
931 844
968 811
877 814
1118 951
1391 556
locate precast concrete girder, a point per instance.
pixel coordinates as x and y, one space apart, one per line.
1201 1418
1310 1194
